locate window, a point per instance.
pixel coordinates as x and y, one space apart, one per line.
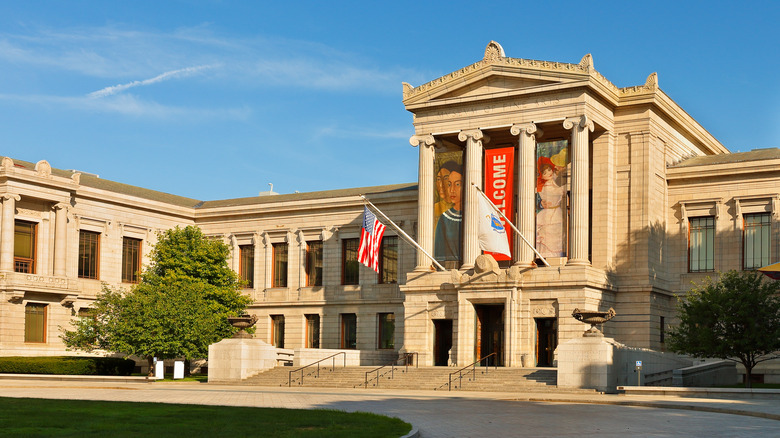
277 331
280 265
35 322
701 244
24 247
388 260
312 331
246 268
89 251
386 323
663 330
314 263
350 268
348 331
755 240
131 259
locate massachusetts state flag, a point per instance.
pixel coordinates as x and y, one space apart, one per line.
370 239
492 235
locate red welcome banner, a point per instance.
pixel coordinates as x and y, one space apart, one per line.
499 186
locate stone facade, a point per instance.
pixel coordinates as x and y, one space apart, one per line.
641 174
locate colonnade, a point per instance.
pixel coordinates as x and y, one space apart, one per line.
527 133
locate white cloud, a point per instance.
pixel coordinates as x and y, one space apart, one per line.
182 72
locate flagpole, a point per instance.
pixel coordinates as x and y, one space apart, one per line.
511 224
408 239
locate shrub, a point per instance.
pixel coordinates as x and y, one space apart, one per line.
87 366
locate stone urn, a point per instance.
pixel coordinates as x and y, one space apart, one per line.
242 323
593 317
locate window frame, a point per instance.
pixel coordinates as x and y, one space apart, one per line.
388 275
764 230
277 331
313 330
131 255
280 263
92 257
26 265
385 341
246 265
695 226
42 326
348 343
347 252
313 258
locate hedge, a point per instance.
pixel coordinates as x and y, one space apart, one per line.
86 366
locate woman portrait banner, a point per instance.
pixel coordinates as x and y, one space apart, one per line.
448 207
552 158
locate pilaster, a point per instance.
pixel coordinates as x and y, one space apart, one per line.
60 238
7 231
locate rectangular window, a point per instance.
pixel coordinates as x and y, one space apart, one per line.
350 268
277 330
663 330
755 240
349 331
280 265
24 246
131 259
89 252
386 323
246 268
312 331
314 263
701 244
388 260
35 322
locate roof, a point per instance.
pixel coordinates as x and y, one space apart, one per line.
140 192
255 200
737 157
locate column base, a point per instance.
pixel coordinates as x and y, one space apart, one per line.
578 262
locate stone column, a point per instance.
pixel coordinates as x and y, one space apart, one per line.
579 226
473 174
425 188
60 238
526 199
7 232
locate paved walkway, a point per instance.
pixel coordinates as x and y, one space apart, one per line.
463 414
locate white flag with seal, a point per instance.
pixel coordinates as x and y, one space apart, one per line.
492 234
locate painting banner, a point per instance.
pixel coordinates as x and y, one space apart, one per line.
499 186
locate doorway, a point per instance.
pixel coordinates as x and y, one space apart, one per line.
489 337
546 341
442 342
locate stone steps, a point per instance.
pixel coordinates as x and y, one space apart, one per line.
430 378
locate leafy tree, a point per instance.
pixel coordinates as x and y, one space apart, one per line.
736 318
179 307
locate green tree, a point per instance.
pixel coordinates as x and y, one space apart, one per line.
178 309
735 318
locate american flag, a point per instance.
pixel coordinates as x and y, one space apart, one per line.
370 239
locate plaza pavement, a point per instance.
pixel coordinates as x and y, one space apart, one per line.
457 414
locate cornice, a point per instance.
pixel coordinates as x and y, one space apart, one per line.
675 174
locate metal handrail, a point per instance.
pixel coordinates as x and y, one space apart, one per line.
332 367
473 371
405 357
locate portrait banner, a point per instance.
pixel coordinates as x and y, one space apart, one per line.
552 159
499 186
448 208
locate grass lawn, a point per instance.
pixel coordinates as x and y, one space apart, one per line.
23 417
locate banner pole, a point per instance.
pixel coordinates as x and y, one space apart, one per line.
511 224
406 236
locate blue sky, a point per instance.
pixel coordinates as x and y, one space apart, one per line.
216 99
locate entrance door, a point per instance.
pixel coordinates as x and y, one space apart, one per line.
546 341
489 337
442 341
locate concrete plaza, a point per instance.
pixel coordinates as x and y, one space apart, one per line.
453 414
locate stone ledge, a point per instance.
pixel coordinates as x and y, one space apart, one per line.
74 378
700 392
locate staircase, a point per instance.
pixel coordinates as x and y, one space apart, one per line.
423 378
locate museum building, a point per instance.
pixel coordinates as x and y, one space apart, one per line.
623 198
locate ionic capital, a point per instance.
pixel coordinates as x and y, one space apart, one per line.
528 129
474 134
582 122
60 206
425 140
9 196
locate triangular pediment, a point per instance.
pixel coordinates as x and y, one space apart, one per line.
494 84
